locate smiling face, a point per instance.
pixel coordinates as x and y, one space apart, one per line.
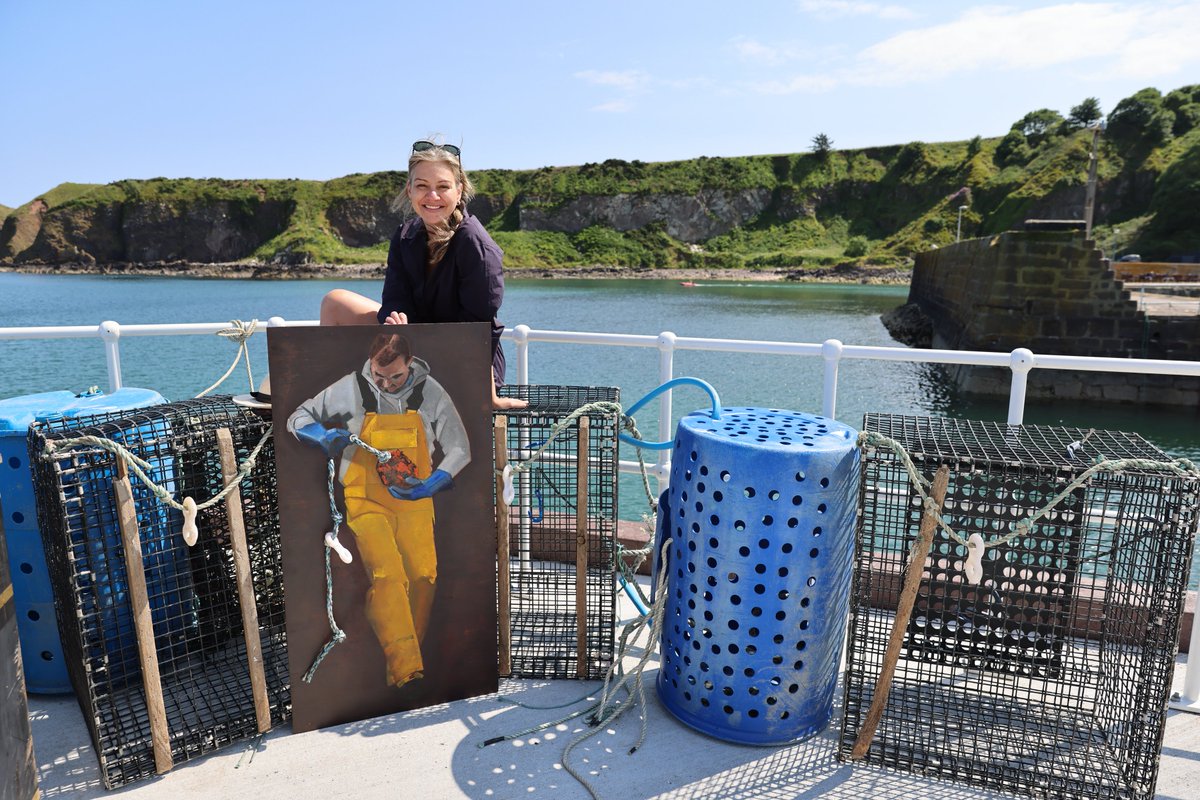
433 191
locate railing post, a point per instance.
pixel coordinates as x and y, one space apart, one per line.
831 352
1021 362
110 334
1190 699
521 337
666 371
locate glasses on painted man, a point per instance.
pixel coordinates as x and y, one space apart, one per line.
423 144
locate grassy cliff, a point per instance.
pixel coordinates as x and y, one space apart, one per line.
877 205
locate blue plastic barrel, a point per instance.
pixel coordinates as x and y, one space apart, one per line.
760 512
45 669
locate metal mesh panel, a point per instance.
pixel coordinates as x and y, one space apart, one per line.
544 521
1050 677
193 600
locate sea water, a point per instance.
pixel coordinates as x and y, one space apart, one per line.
181 366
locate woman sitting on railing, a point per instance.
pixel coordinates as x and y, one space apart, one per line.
442 265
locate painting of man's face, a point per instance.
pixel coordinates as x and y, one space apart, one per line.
384 457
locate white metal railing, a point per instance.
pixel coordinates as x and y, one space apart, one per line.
1020 361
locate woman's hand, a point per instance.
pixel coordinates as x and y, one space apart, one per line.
396 318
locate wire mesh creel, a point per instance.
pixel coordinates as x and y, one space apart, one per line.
1050 677
556 569
199 640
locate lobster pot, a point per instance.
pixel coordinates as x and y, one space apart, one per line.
17 765
1050 676
557 559
197 689
760 514
45 670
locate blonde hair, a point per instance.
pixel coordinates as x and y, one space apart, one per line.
439 237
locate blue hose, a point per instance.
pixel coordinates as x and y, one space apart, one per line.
671 384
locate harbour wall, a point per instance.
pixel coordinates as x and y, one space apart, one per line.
1052 292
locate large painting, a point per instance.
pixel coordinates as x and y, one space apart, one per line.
404 413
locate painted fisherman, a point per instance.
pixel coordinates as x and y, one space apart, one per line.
393 405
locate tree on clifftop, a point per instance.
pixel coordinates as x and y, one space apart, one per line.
822 146
1141 118
1085 114
1037 125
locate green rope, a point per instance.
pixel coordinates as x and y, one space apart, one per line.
611 711
599 406
239 333
1023 527
140 467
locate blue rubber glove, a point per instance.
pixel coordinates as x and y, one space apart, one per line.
332 440
417 489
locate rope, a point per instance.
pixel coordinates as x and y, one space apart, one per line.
610 713
337 635
239 332
976 545
140 467
601 406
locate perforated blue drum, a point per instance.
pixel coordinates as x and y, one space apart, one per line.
760 512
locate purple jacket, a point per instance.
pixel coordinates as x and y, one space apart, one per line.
467 286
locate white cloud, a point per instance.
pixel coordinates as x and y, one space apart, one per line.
843 8
1127 39
798 84
614 107
754 50
629 80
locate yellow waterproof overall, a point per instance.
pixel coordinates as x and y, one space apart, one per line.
395 541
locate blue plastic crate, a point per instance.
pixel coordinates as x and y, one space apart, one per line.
38 629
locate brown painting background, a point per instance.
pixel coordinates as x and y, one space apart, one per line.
460 645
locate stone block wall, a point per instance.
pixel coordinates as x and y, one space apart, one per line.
1052 293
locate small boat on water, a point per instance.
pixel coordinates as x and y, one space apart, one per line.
687 283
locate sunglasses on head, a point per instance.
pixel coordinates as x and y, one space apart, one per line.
422 144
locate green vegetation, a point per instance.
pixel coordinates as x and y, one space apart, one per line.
876 205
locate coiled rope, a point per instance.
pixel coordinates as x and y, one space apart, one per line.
238 332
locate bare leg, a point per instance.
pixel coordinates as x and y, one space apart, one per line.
344 307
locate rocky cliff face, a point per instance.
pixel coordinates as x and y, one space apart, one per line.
368 221
688 218
209 232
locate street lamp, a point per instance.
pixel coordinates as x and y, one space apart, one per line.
1089 203
958 236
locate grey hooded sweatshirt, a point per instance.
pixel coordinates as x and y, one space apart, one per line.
341 405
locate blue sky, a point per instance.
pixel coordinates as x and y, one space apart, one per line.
95 92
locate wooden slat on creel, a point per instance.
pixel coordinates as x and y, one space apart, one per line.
908 596
581 545
503 598
245 582
143 623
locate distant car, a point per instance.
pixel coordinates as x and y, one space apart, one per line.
1130 257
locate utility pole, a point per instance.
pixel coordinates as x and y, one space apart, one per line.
1089 205
958 235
